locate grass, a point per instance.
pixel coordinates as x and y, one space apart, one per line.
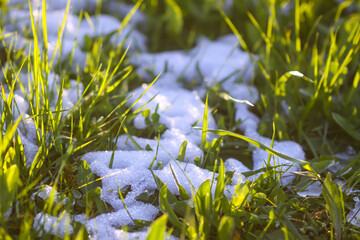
307 72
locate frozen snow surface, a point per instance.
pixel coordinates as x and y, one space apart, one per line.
208 63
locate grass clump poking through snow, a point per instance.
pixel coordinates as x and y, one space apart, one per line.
247 129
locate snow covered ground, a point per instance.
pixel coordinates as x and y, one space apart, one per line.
210 62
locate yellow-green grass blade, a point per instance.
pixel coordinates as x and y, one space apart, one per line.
205 124
60 33
158 228
302 163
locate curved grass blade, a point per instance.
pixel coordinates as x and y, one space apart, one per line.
302 163
227 97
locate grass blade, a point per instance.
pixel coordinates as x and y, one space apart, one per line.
158 228
334 204
167 209
205 124
226 228
297 26
302 163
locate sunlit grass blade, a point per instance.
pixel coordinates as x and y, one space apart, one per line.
117 137
123 201
60 34
9 182
302 163
182 151
141 95
2 36
205 124
45 38
203 207
131 13
184 195
257 25
158 228
243 44
7 139
167 209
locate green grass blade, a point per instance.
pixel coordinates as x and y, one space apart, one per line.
220 184
166 208
158 228
226 228
123 201
258 27
9 184
117 137
127 18
5 142
182 151
58 41
347 126
297 26
241 193
243 44
334 204
203 207
302 163
205 124
177 163
142 94
44 27
184 195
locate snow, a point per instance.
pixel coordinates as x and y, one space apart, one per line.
343 159
237 167
170 142
216 61
46 191
104 225
208 63
313 190
74 32
173 105
45 223
353 216
8 212
130 168
212 61
30 149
